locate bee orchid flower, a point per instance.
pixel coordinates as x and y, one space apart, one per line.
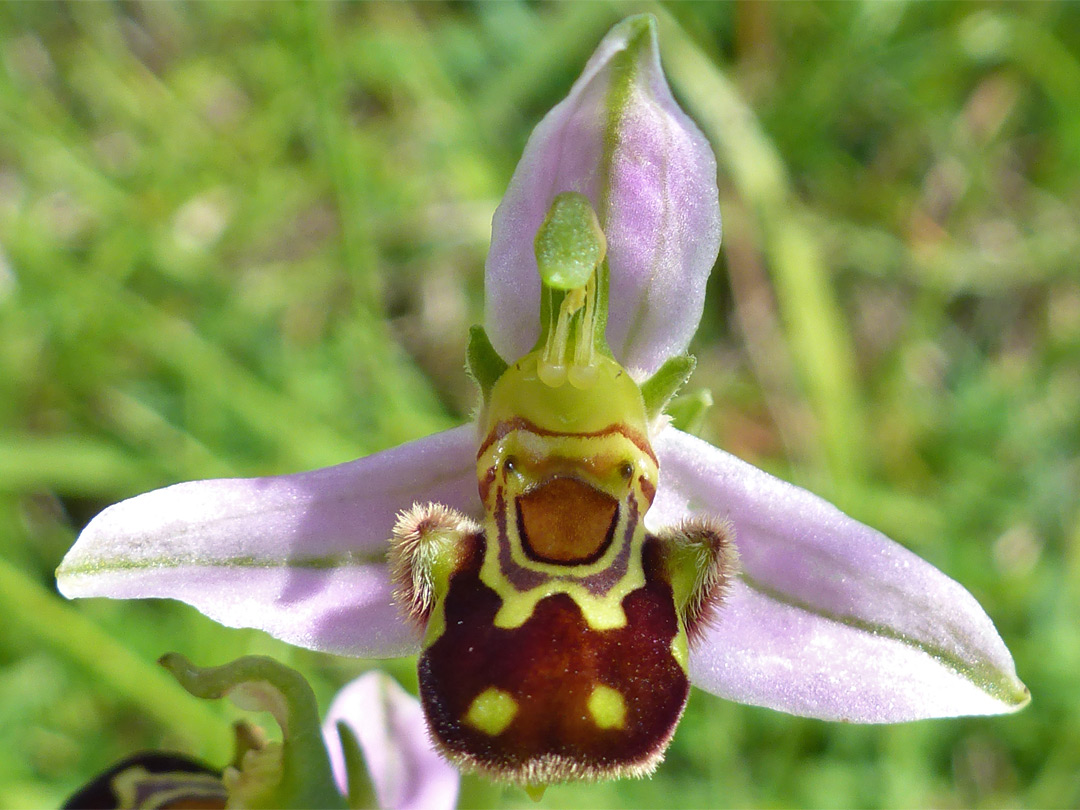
570 564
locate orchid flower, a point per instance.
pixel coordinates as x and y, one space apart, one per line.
571 563
371 752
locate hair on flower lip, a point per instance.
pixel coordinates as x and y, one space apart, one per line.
709 545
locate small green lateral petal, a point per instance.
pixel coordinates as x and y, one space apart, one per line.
658 390
687 411
482 361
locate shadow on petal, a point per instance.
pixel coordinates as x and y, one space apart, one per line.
300 556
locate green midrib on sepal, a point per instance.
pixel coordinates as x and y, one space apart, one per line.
624 67
317 563
982 674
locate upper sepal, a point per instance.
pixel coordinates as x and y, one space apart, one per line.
620 139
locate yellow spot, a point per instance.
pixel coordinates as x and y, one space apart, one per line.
680 650
607 707
600 612
492 711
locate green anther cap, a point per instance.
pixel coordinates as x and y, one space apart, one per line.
570 244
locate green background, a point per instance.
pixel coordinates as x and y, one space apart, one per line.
244 239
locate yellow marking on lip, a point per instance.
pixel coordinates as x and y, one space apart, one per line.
492 711
530 448
533 452
680 648
607 707
600 612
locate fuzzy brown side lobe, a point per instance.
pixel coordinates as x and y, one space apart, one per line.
551 665
415 540
710 542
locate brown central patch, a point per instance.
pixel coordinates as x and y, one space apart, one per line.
566 521
551 667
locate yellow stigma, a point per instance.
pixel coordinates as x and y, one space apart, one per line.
607 707
492 711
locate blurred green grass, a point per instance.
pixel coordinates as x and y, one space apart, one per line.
241 239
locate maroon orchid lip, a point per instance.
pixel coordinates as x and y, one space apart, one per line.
566 521
573 701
